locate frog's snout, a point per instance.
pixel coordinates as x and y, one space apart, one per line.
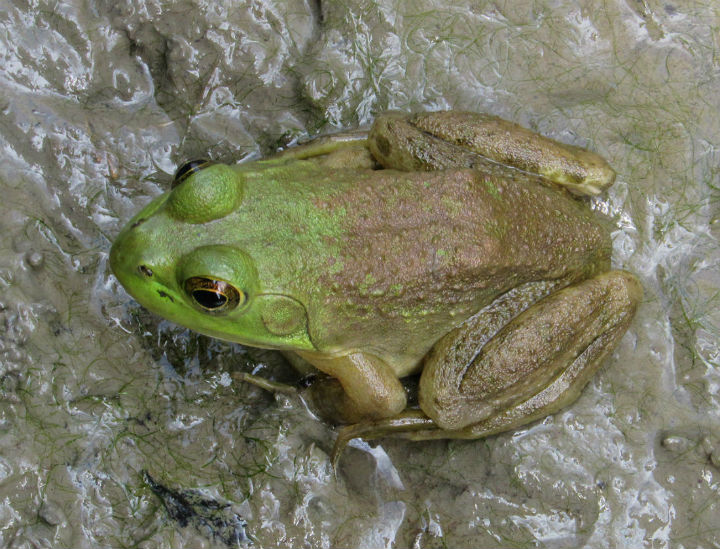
124 263
132 260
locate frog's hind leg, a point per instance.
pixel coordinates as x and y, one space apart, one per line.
535 365
454 139
412 423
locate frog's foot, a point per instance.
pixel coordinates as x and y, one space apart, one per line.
326 397
411 424
535 365
454 139
358 387
404 425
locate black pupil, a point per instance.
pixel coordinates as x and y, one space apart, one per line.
209 299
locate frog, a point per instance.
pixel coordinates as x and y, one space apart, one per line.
442 273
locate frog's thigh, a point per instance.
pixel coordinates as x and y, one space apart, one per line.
535 365
363 388
341 150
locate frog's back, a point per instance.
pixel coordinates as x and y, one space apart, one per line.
370 253
450 236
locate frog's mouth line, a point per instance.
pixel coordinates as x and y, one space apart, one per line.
164 295
137 223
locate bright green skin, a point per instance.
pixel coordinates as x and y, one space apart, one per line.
335 261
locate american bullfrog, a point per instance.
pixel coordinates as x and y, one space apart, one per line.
452 245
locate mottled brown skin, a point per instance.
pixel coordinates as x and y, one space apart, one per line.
439 246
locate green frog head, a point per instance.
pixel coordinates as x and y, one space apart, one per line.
179 258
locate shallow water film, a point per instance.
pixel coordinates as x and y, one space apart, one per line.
119 429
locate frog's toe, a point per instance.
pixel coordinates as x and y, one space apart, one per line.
263 383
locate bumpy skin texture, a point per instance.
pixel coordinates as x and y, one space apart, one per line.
361 271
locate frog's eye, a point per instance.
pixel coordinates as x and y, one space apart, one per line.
213 296
189 168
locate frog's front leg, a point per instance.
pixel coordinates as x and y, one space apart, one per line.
342 150
535 365
362 388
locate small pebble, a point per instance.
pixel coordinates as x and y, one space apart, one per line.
35 260
707 445
675 444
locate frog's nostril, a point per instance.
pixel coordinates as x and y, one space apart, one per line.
145 270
